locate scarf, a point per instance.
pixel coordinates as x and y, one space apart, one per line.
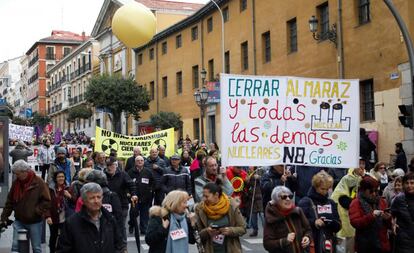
218 210
60 197
212 178
177 221
285 212
65 166
22 186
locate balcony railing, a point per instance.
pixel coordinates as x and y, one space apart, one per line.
33 78
80 71
33 60
50 56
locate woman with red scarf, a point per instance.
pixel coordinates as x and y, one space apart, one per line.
59 193
29 198
286 228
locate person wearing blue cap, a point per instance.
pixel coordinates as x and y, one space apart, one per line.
176 177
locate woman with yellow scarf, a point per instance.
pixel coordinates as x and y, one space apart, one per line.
219 221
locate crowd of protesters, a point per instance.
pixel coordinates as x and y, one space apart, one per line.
91 202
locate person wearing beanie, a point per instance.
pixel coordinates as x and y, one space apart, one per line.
61 163
369 216
20 152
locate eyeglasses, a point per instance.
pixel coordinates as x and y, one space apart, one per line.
284 197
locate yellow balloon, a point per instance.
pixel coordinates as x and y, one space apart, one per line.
134 24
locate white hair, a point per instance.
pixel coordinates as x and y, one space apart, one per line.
278 191
21 165
139 156
90 187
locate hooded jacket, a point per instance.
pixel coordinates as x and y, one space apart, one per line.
346 189
277 227
156 235
20 152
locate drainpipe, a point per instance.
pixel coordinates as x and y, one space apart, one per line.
407 40
254 37
157 76
341 62
202 44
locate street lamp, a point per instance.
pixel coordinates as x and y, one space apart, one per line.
201 97
330 34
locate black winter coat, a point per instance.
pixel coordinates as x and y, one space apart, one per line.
324 207
144 183
158 172
401 161
166 161
270 180
80 235
112 204
176 179
130 164
121 183
402 208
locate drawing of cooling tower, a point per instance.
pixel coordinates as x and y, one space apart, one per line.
330 118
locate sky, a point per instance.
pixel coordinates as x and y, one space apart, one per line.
23 22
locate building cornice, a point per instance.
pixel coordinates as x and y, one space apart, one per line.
205 11
70 56
52 42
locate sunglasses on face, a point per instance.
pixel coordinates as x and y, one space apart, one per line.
284 197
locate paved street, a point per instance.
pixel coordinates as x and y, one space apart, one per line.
249 244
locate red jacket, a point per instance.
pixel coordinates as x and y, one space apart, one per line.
367 235
239 186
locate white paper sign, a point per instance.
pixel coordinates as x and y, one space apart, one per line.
269 120
23 133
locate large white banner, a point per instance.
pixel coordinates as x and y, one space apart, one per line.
269 120
23 133
32 160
